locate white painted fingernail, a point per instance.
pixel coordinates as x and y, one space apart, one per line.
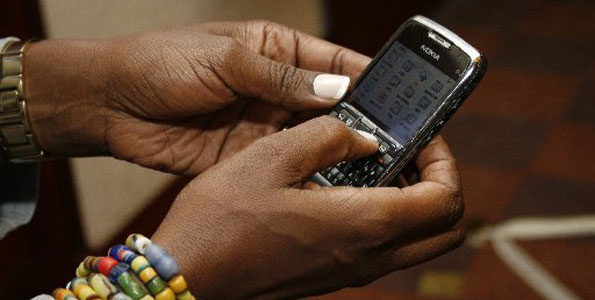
330 86
367 135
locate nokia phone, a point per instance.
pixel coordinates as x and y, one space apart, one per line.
405 95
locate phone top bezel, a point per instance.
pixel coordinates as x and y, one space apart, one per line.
464 84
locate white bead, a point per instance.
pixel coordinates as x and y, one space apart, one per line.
141 244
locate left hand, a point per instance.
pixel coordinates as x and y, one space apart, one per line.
178 101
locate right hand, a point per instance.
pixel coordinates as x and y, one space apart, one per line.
249 226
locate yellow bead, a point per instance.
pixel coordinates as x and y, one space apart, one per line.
185 296
147 297
130 241
139 264
166 294
178 284
84 292
102 286
82 271
147 274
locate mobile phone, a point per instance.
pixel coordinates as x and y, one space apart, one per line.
405 95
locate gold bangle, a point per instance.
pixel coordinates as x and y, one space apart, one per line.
16 138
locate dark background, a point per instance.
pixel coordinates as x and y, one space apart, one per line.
524 141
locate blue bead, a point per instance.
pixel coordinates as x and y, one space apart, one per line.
162 261
116 271
122 253
113 252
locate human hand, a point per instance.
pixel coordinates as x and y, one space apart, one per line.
181 100
252 227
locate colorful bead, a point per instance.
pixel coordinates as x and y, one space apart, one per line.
82 271
178 284
185 296
139 264
102 286
162 261
82 290
116 271
147 274
122 253
138 242
89 262
63 294
166 294
156 285
147 297
131 286
105 264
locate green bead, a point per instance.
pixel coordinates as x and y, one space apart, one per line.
156 285
131 286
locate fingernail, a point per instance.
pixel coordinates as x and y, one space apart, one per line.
367 135
330 86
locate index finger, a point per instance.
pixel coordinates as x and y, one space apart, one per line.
288 45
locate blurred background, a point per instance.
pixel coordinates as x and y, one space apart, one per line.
524 140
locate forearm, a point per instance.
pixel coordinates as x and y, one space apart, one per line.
66 86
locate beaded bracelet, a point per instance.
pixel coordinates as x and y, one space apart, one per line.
140 271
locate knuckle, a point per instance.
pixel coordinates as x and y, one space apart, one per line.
338 61
455 206
286 77
229 47
336 128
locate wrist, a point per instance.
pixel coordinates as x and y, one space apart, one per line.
65 88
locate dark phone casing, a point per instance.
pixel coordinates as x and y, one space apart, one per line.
468 80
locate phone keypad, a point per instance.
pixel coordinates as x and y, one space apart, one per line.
367 171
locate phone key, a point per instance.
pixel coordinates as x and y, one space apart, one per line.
366 168
346 181
385 159
346 117
379 169
383 148
334 171
360 180
335 181
394 150
347 167
340 176
368 123
364 127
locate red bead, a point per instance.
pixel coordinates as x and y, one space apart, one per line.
105 264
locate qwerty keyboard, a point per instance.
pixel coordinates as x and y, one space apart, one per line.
367 171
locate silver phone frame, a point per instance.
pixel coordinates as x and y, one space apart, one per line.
466 83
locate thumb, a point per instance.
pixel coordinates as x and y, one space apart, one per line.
256 76
316 144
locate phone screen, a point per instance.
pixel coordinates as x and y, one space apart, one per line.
401 91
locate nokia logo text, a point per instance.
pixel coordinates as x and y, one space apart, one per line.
430 52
